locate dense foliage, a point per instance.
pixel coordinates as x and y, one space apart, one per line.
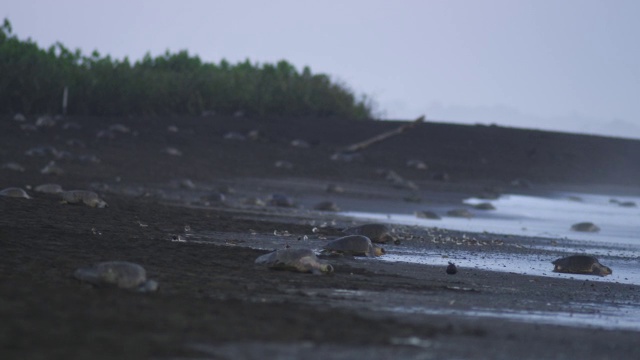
32 80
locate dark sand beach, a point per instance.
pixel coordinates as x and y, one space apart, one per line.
214 302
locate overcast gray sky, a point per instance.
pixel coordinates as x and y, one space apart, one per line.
570 65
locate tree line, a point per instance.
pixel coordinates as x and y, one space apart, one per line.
33 80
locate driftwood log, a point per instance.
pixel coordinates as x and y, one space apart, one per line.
378 138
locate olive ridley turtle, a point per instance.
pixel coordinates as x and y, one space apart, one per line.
585 227
123 274
354 245
377 233
88 198
14 192
300 260
580 264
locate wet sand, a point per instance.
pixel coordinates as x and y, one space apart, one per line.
213 302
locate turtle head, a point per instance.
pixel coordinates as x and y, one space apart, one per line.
326 268
378 251
388 238
602 270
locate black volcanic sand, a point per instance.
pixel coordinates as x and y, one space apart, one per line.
213 302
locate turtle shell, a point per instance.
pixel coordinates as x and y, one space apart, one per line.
585 227
580 264
123 274
300 260
377 233
354 245
14 192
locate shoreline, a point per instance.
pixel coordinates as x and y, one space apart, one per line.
213 301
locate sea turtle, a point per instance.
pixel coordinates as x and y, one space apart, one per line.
417 164
234 135
214 197
119 128
326 206
280 200
172 151
123 274
253 201
299 143
484 206
49 188
426 214
13 166
335 189
580 264
354 245
627 204
14 192
441 176
52 169
377 233
585 227
463 213
283 164
89 198
301 260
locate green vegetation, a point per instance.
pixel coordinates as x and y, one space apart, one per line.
33 81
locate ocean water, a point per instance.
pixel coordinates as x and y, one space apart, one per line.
616 245
545 221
